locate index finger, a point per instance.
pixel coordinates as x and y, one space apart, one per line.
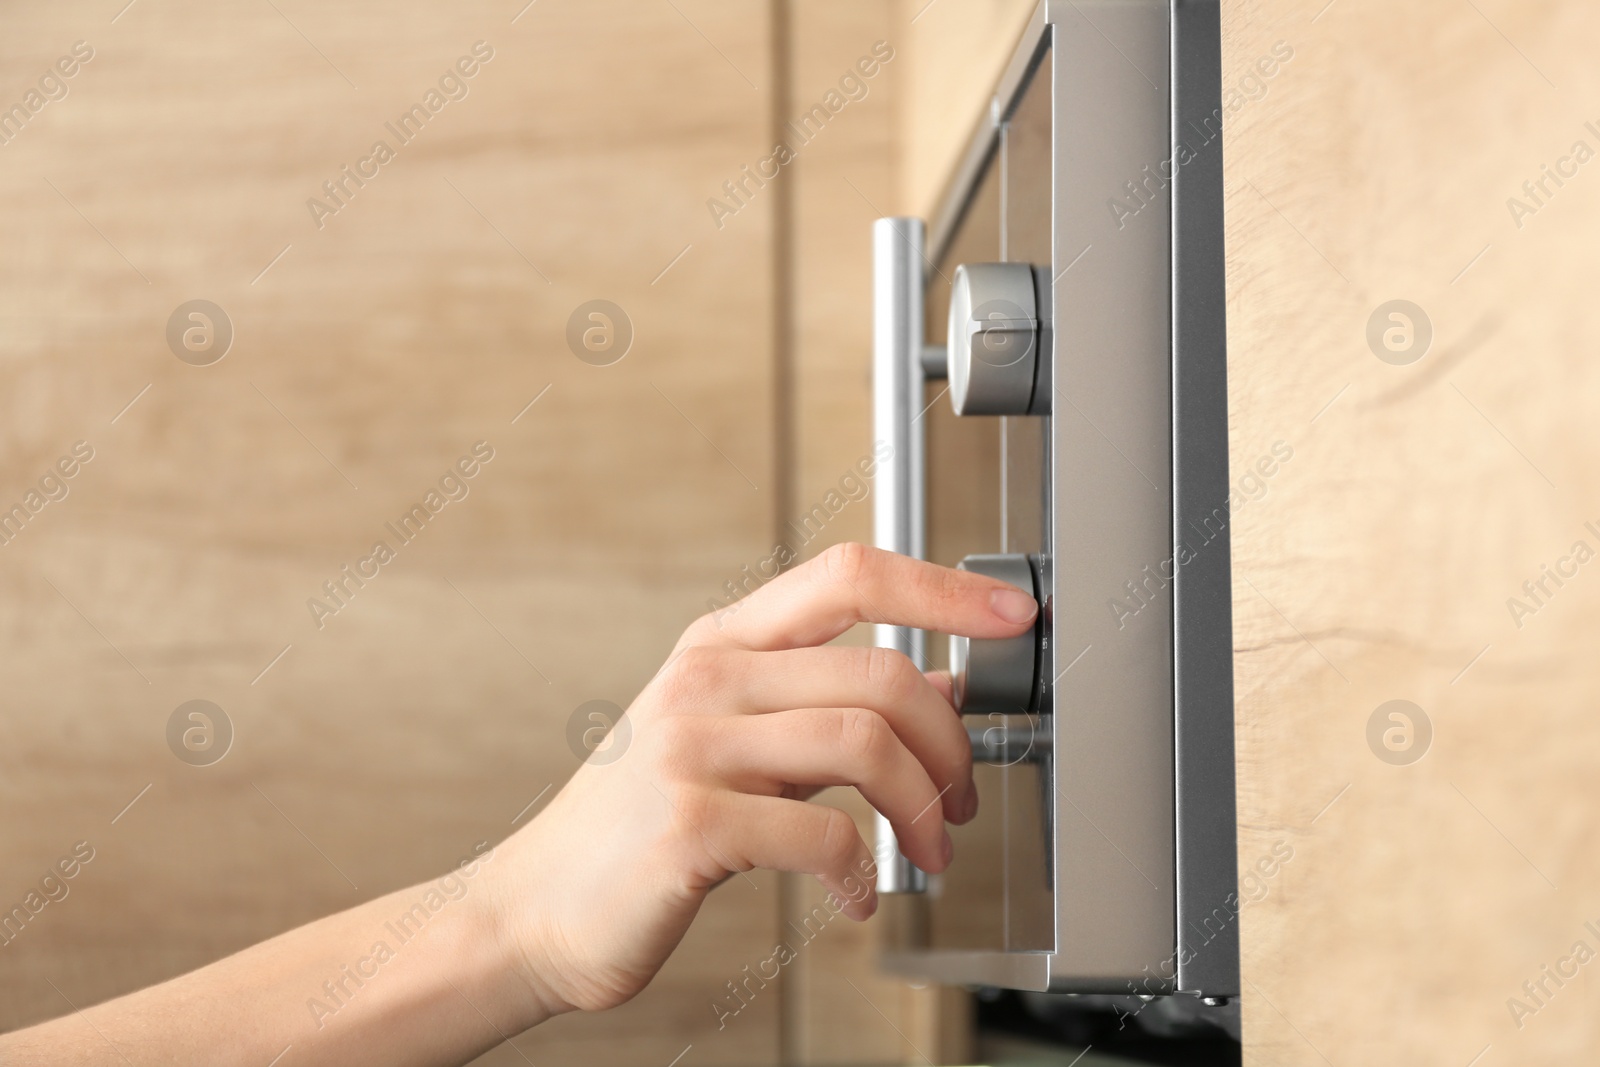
851 583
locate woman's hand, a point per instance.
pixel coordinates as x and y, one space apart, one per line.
748 719
581 907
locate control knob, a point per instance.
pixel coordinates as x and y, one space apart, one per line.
998 675
998 340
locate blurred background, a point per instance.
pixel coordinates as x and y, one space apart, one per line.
240 345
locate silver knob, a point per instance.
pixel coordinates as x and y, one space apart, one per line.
988 676
994 340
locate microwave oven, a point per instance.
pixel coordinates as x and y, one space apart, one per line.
1049 367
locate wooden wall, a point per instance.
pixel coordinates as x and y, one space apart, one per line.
1376 165
373 352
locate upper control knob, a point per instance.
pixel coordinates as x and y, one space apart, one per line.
994 340
997 675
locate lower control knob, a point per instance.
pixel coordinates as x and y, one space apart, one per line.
997 676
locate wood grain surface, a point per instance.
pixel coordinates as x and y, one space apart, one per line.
1376 565
369 354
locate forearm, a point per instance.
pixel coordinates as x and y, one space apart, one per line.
420 976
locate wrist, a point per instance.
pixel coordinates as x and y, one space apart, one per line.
515 952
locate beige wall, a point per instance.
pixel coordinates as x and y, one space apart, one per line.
1378 567
420 319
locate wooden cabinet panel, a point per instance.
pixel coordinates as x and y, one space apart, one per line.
369 353
1424 489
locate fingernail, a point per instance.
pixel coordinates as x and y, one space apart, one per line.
971 810
1013 605
949 848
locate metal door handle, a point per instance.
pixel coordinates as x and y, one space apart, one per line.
897 515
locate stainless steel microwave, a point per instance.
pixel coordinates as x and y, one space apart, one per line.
1050 367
